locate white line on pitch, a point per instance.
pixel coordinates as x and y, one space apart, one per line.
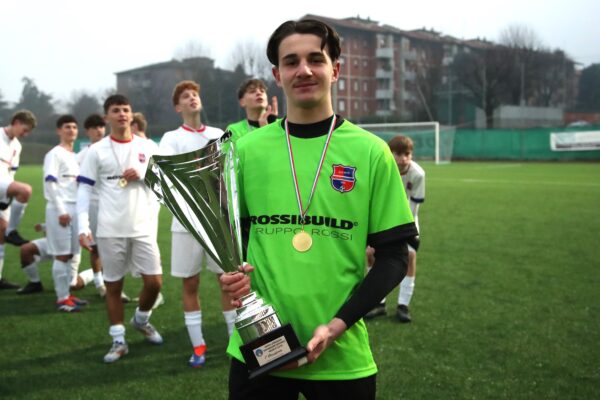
557 183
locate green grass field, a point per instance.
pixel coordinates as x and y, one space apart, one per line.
506 306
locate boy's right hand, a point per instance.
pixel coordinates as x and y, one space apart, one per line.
236 284
272 109
64 220
86 241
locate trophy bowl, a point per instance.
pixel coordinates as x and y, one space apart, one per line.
200 190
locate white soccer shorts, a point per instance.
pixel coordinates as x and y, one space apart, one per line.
62 240
187 256
4 184
138 255
42 246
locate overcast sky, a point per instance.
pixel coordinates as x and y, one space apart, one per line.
68 45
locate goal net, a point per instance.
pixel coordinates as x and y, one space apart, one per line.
432 140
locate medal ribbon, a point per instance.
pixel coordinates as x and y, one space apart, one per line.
303 211
112 147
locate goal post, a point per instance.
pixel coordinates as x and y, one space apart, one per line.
432 141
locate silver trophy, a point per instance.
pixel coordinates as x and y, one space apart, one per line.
200 189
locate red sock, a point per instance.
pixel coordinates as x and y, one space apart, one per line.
199 350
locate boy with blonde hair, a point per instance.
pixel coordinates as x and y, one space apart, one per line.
14 195
187 255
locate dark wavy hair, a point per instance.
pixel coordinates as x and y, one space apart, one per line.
329 37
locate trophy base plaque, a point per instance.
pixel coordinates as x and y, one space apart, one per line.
272 350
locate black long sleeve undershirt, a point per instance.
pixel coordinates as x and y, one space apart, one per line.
391 263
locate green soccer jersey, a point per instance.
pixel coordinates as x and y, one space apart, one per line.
239 129
359 193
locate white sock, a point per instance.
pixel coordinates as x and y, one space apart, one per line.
193 323
60 274
117 332
73 269
98 279
74 262
407 287
142 317
230 320
87 276
32 272
1 259
16 213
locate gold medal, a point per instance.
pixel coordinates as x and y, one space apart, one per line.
302 241
122 182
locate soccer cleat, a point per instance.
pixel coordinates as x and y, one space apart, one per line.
402 314
147 330
160 300
67 305
4 284
31 287
78 301
14 238
377 311
197 361
101 291
117 351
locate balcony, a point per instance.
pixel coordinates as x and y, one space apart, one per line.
384 52
409 55
409 75
381 94
381 73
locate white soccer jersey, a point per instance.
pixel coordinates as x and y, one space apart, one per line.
414 186
123 211
60 170
10 153
82 153
80 157
183 140
155 209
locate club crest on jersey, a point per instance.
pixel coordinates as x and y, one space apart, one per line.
343 178
409 186
142 157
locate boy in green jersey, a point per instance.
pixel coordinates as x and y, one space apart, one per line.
314 191
252 95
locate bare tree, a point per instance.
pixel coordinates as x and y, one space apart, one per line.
484 74
539 76
5 110
192 49
588 99
252 56
521 37
83 104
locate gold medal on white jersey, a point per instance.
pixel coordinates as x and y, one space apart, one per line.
122 182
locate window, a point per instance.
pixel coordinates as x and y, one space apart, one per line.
342 60
366 106
365 63
342 106
356 105
342 84
365 86
356 86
